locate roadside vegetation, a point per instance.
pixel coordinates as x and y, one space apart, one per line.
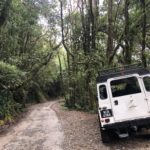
29 70
51 48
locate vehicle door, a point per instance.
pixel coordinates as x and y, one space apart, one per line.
128 98
146 83
103 96
105 108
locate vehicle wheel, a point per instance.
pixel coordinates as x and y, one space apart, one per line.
99 121
105 136
139 129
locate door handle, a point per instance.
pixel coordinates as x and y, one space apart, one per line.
116 102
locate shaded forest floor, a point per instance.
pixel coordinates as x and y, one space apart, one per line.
82 132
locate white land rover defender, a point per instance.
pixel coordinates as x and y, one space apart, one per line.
123 101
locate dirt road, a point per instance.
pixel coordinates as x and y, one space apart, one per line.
50 126
81 130
40 130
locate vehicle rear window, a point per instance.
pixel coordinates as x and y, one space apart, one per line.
125 86
103 92
147 83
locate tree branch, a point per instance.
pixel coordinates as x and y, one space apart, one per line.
35 71
62 29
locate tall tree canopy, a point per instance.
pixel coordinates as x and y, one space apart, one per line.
97 36
48 46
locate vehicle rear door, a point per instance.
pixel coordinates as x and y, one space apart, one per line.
146 83
128 98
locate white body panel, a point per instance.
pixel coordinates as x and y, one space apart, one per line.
104 103
129 107
147 93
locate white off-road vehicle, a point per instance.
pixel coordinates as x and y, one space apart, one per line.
123 101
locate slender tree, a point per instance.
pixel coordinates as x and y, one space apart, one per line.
143 24
127 50
110 31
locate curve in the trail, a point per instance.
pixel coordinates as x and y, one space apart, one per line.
40 130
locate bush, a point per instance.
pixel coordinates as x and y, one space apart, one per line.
10 76
8 107
35 93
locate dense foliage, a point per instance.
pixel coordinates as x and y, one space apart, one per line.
26 49
98 36
52 48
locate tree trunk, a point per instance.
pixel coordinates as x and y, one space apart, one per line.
110 31
127 50
61 76
4 12
143 33
69 101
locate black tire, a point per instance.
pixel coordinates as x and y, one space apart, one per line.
99 121
105 136
139 129
104 133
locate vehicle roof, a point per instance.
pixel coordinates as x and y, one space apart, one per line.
104 75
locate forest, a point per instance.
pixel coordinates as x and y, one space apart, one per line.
55 48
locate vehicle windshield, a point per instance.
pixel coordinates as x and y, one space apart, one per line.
147 83
126 86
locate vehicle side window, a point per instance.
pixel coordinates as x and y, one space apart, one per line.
103 92
125 86
147 83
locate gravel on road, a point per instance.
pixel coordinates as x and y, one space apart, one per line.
39 130
50 126
82 132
